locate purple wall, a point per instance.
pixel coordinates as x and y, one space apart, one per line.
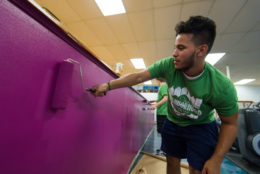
91 136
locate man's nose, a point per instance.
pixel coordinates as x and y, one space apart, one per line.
175 53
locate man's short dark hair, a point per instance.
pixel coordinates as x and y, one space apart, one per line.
202 28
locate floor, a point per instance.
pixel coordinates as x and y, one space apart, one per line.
153 143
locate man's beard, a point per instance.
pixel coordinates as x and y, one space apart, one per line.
189 63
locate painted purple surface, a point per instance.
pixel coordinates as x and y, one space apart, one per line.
91 136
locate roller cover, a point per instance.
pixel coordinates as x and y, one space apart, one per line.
63 85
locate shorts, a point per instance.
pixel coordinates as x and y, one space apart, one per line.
160 120
195 142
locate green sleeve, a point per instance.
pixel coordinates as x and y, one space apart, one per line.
159 69
226 104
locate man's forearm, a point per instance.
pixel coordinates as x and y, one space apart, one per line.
164 100
125 81
226 138
130 79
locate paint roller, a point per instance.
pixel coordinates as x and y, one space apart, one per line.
81 76
64 83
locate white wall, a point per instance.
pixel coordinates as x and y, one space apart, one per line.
248 93
150 96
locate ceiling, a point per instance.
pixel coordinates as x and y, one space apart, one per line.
147 30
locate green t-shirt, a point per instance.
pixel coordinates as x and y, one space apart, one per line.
193 102
162 110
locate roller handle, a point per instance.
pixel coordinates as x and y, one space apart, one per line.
92 90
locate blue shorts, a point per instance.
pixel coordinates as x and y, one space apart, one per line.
196 142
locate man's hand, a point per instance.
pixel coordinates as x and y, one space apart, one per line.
100 90
211 166
226 137
124 81
153 107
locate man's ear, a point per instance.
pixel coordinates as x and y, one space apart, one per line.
203 49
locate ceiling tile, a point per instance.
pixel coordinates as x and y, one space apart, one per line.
247 18
191 0
147 30
102 53
148 51
164 3
118 52
257 27
102 31
242 60
165 48
250 42
142 25
195 8
132 50
121 28
83 34
86 9
61 9
137 5
128 67
224 11
225 42
165 21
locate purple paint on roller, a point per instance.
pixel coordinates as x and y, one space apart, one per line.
63 86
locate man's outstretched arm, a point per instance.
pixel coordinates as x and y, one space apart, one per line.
124 81
163 100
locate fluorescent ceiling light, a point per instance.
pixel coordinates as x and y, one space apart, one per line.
244 81
138 63
110 7
148 82
214 57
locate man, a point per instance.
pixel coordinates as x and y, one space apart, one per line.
161 104
195 89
